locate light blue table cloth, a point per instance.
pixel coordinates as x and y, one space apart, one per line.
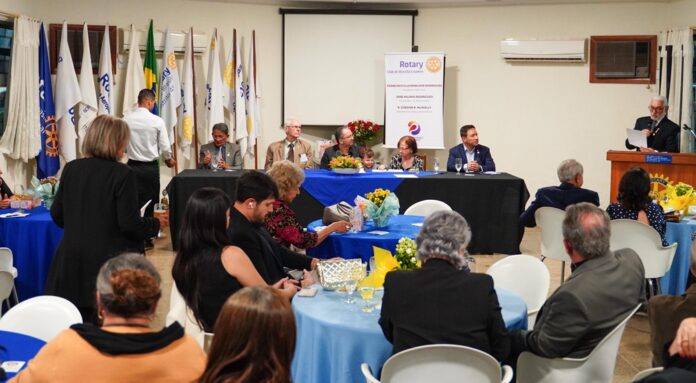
334 338
359 245
674 282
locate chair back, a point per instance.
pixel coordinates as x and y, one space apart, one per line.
42 317
5 258
645 373
367 373
427 207
525 276
180 312
443 363
598 367
6 284
646 241
550 221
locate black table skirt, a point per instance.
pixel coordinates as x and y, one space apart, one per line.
491 204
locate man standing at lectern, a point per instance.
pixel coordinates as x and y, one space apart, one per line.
662 134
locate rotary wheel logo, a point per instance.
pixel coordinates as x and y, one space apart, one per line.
229 75
51 134
171 60
187 131
433 64
658 185
414 128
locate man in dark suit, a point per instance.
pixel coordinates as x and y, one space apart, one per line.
569 192
220 154
475 158
256 193
443 302
603 288
662 134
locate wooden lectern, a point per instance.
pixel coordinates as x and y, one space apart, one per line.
677 167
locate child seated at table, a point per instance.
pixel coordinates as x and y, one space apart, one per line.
367 157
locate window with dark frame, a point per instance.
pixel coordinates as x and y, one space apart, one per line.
623 59
6 34
96 34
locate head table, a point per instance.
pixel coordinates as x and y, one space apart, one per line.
334 338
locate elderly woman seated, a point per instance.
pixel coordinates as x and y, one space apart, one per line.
282 222
443 302
407 159
125 348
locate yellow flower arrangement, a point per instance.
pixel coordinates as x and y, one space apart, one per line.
377 197
345 162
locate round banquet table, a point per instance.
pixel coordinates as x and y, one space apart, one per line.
359 245
334 338
33 240
18 348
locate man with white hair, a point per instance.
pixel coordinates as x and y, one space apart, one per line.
569 192
662 134
291 148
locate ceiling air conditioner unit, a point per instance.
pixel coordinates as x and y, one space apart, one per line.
572 51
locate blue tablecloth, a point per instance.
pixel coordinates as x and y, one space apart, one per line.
331 188
359 245
18 348
33 241
674 282
334 338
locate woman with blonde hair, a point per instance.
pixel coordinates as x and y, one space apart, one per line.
254 339
97 206
282 222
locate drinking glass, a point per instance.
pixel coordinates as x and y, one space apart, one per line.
350 285
379 294
367 292
458 164
159 210
373 264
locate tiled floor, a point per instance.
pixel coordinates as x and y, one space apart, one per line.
634 353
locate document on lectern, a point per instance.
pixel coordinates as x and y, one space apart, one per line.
637 138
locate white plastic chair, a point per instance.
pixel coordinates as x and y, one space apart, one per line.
6 286
444 363
180 312
645 373
598 367
427 207
525 276
550 221
42 317
367 373
6 258
646 241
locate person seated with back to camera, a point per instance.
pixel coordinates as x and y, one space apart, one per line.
344 147
254 339
207 269
475 158
406 158
282 222
125 348
5 193
219 152
411 297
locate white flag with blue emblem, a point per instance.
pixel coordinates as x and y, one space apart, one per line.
67 96
186 120
135 77
170 87
105 76
253 121
88 106
214 110
240 132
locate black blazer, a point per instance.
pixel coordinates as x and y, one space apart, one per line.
440 304
559 197
665 137
265 253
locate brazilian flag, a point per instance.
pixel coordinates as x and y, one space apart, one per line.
150 66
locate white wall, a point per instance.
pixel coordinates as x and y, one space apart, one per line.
531 115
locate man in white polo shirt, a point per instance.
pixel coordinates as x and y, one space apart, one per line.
148 138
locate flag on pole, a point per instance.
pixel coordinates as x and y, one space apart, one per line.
105 76
228 79
88 106
67 96
47 162
214 110
135 80
150 68
187 113
170 87
239 112
253 125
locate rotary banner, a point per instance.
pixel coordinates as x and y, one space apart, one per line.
47 162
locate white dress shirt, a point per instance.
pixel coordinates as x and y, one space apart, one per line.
148 133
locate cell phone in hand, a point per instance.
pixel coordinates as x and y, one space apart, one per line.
297 275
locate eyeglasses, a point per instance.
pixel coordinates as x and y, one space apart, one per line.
658 109
293 126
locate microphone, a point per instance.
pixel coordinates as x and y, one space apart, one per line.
686 127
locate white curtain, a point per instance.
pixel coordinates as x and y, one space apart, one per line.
674 81
22 137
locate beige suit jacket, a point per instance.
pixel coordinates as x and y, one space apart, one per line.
276 152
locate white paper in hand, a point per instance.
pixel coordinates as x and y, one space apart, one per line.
142 209
637 138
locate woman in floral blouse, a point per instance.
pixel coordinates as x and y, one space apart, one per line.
407 159
282 222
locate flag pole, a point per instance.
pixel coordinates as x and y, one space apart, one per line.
253 42
193 80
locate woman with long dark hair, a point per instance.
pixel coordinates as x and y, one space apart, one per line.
254 339
207 270
634 202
